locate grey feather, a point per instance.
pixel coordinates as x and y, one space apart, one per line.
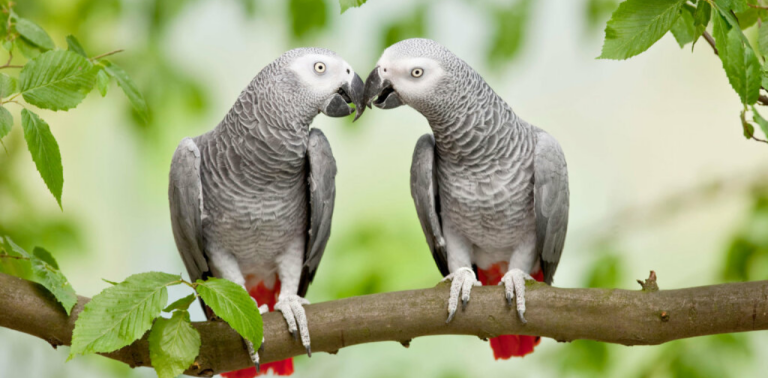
322 195
550 201
186 201
424 193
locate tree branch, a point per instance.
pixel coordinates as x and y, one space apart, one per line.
609 315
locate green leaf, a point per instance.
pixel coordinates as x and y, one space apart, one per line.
34 34
346 4
684 30
129 88
181 304
734 5
27 49
102 82
74 45
14 267
764 78
46 256
510 26
7 45
232 303
739 60
760 121
6 122
121 314
637 25
749 130
701 18
8 85
47 273
173 345
45 152
109 282
57 80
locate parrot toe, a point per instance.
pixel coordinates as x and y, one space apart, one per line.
293 312
514 286
462 281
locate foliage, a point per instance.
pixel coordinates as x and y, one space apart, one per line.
50 79
39 266
123 312
638 24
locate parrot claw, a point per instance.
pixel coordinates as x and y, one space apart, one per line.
462 281
514 286
309 351
254 354
258 367
293 312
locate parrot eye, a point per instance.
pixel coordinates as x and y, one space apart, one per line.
417 72
319 67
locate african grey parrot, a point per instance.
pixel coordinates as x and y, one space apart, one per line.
491 190
251 201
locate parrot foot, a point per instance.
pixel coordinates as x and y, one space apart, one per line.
293 312
251 350
514 285
462 281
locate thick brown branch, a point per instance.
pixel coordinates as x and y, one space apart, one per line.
609 315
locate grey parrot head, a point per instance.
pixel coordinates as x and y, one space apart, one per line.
420 73
317 79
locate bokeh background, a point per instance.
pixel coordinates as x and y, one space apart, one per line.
661 177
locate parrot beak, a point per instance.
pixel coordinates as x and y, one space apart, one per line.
349 92
382 90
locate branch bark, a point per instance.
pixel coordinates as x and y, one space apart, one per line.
609 315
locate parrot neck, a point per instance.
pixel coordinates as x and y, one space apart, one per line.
475 124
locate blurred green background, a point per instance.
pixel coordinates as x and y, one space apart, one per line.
660 177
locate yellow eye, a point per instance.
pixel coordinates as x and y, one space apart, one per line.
319 67
417 72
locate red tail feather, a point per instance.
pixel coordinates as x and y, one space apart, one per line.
264 296
506 346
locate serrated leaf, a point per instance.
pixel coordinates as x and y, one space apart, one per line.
684 30
47 273
739 60
232 303
57 80
27 49
33 33
8 85
6 122
346 4
12 266
735 5
121 314
102 82
762 122
43 269
42 254
7 45
636 25
181 304
74 45
129 88
45 152
173 345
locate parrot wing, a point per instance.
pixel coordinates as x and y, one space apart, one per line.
550 202
185 193
322 194
425 197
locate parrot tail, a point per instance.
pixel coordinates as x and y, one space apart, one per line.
264 296
506 346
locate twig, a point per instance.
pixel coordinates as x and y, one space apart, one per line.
107 54
609 315
711 41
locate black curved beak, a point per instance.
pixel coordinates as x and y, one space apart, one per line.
349 93
380 92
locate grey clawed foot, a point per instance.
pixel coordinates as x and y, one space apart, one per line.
462 281
514 287
293 312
